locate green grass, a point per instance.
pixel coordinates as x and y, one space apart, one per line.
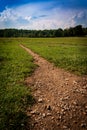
15 65
68 53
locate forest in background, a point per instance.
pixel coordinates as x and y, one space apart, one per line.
69 32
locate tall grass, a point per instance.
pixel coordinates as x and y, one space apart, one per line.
68 53
15 65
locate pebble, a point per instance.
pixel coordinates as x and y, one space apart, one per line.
61 99
74 82
40 100
85 107
22 124
60 117
66 107
38 92
62 110
75 103
43 115
48 114
66 98
37 119
66 83
66 79
83 125
33 112
52 118
65 127
84 113
75 122
58 112
32 125
58 124
43 129
84 87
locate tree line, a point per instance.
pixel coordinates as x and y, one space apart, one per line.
72 31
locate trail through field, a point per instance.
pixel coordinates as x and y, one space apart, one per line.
61 98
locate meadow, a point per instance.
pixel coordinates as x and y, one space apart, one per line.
69 53
15 66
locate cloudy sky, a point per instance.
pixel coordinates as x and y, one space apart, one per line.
42 14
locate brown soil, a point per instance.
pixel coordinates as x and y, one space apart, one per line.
61 98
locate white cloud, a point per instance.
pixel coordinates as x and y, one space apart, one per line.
28 18
35 16
8 14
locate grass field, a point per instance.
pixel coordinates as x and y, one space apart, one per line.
68 53
15 65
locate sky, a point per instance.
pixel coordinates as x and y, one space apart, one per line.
42 14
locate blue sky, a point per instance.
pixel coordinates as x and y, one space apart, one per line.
42 14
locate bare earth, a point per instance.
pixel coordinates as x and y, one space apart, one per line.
61 98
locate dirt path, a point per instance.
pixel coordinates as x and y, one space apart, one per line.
61 98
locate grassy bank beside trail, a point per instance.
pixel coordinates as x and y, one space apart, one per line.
15 65
69 53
